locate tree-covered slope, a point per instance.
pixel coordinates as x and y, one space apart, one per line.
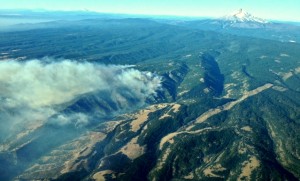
228 107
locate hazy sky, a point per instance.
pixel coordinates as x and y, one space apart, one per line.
268 9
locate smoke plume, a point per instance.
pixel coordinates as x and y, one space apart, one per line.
32 90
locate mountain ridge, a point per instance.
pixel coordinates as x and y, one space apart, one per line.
228 107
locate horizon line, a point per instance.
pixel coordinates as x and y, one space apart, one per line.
136 14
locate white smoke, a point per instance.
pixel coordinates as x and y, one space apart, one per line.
32 88
78 119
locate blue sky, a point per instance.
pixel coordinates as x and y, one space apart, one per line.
268 9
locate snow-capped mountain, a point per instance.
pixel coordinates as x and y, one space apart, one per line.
238 19
243 23
241 16
241 19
